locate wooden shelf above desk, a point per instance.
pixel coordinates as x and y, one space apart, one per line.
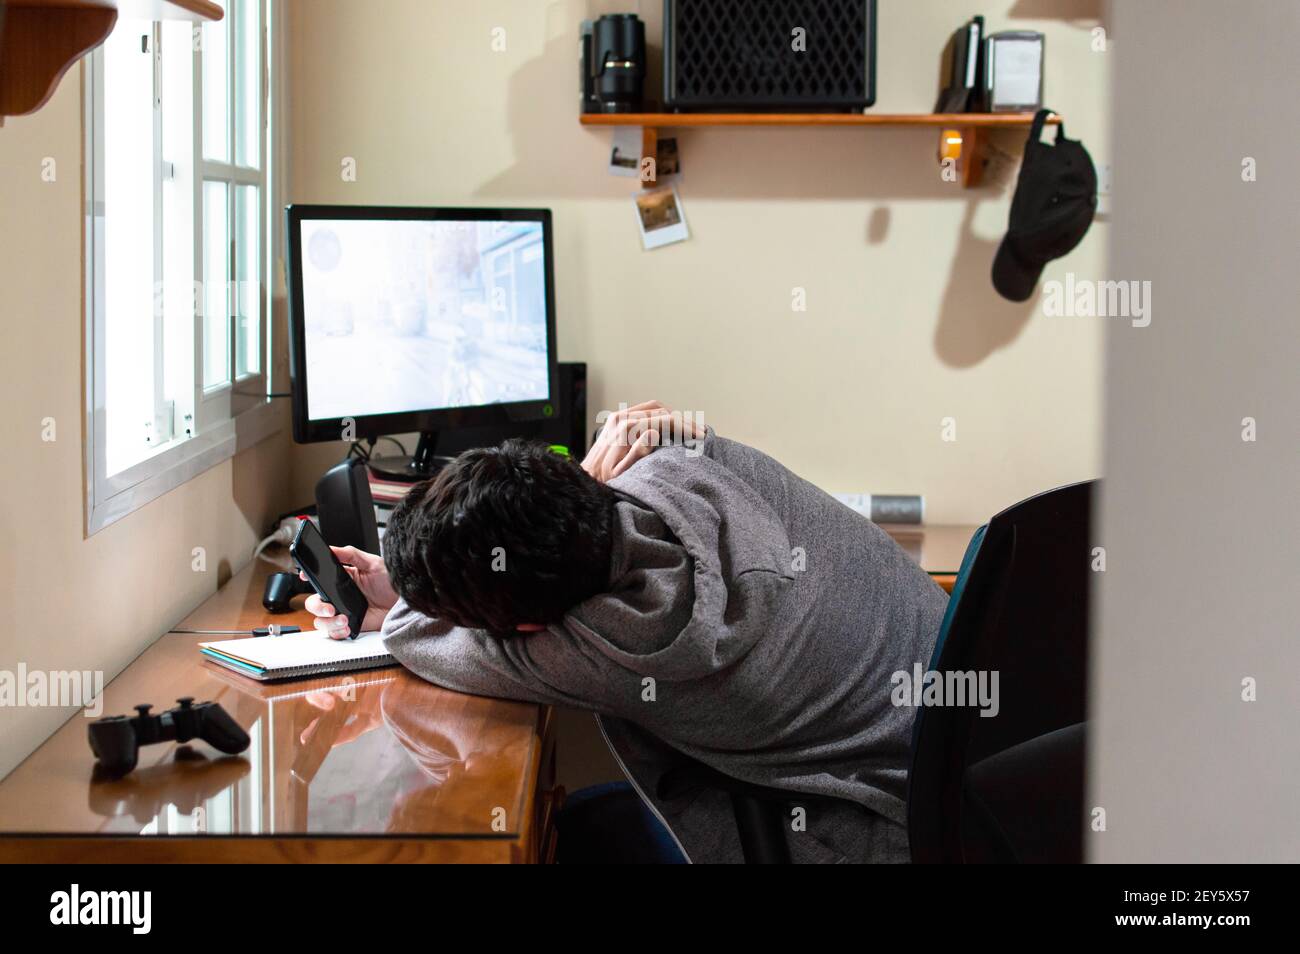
963 133
41 39
680 120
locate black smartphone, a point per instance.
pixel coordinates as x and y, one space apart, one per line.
327 577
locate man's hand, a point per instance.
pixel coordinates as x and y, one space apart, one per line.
369 573
632 433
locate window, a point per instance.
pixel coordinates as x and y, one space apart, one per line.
177 156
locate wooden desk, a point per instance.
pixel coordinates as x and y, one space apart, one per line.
376 766
938 548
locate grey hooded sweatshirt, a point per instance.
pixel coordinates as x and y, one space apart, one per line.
751 623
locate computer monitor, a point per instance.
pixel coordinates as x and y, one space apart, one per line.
418 319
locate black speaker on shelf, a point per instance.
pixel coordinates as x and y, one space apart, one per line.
769 55
566 426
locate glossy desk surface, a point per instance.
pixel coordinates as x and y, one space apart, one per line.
373 753
374 765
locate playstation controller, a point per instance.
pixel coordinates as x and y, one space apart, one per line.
116 740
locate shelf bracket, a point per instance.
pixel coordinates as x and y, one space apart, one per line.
40 40
39 45
971 166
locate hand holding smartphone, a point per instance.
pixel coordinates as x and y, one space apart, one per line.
327 576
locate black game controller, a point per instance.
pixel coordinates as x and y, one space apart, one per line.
116 740
281 588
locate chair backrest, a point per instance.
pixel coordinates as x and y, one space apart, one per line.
979 787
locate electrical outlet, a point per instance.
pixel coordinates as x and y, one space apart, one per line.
1104 183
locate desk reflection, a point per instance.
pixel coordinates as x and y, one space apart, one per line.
374 753
371 754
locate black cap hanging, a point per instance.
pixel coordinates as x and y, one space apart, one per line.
1056 196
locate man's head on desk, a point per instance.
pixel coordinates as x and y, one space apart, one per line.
505 538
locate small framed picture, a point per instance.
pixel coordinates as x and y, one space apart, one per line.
660 217
667 161
625 157
625 152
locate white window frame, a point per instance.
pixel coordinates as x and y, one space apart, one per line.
226 418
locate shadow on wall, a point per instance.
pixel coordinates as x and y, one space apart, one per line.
974 320
1084 13
878 225
260 482
764 163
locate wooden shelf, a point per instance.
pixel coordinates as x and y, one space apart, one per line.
682 120
961 137
41 39
133 9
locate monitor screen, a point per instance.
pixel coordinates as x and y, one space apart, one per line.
403 315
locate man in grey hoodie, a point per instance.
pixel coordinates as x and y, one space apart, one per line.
706 603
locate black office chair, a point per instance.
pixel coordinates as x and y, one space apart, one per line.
761 812
1011 788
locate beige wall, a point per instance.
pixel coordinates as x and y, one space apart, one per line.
902 328
1197 604
73 603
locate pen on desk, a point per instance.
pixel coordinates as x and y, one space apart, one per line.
271 630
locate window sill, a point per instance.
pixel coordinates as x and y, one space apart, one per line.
172 467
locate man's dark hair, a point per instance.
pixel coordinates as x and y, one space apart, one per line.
501 536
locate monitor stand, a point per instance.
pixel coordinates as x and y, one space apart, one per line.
423 465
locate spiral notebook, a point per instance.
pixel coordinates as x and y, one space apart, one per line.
299 654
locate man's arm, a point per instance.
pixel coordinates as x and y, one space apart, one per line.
466 660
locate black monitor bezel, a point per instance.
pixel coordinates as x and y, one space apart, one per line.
306 430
